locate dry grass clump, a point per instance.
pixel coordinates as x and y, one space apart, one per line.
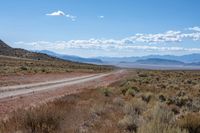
147 97
132 110
119 101
106 91
157 127
135 106
191 122
161 122
128 88
129 123
45 119
97 110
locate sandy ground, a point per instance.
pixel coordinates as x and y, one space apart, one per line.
11 104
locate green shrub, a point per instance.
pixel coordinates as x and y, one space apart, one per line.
106 92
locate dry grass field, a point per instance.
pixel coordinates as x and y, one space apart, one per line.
13 65
143 102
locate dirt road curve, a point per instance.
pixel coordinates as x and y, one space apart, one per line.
12 91
26 95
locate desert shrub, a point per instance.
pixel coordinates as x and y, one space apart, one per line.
170 101
44 70
135 106
195 105
161 122
97 110
157 127
143 75
191 122
41 120
147 97
162 114
130 92
128 89
161 98
179 101
106 92
23 68
175 109
180 93
129 123
118 101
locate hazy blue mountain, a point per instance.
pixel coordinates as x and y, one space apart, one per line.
162 60
194 64
71 57
190 58
157 61
184 58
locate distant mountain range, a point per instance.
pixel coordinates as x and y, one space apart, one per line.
157 61
190 60
186 61
72 57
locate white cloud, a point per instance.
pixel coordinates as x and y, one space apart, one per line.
169 36
194 29
105 45
73 18
57 13
101 17
148 42
61 13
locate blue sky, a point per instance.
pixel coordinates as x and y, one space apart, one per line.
92 28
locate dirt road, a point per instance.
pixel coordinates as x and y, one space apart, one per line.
26 95
11 91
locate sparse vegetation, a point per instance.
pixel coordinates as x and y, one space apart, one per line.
9 65
143 102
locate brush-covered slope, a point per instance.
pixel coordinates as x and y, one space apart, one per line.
6 50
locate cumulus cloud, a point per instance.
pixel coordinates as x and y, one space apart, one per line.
194 29
148 42
61 13
101 45
167 37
